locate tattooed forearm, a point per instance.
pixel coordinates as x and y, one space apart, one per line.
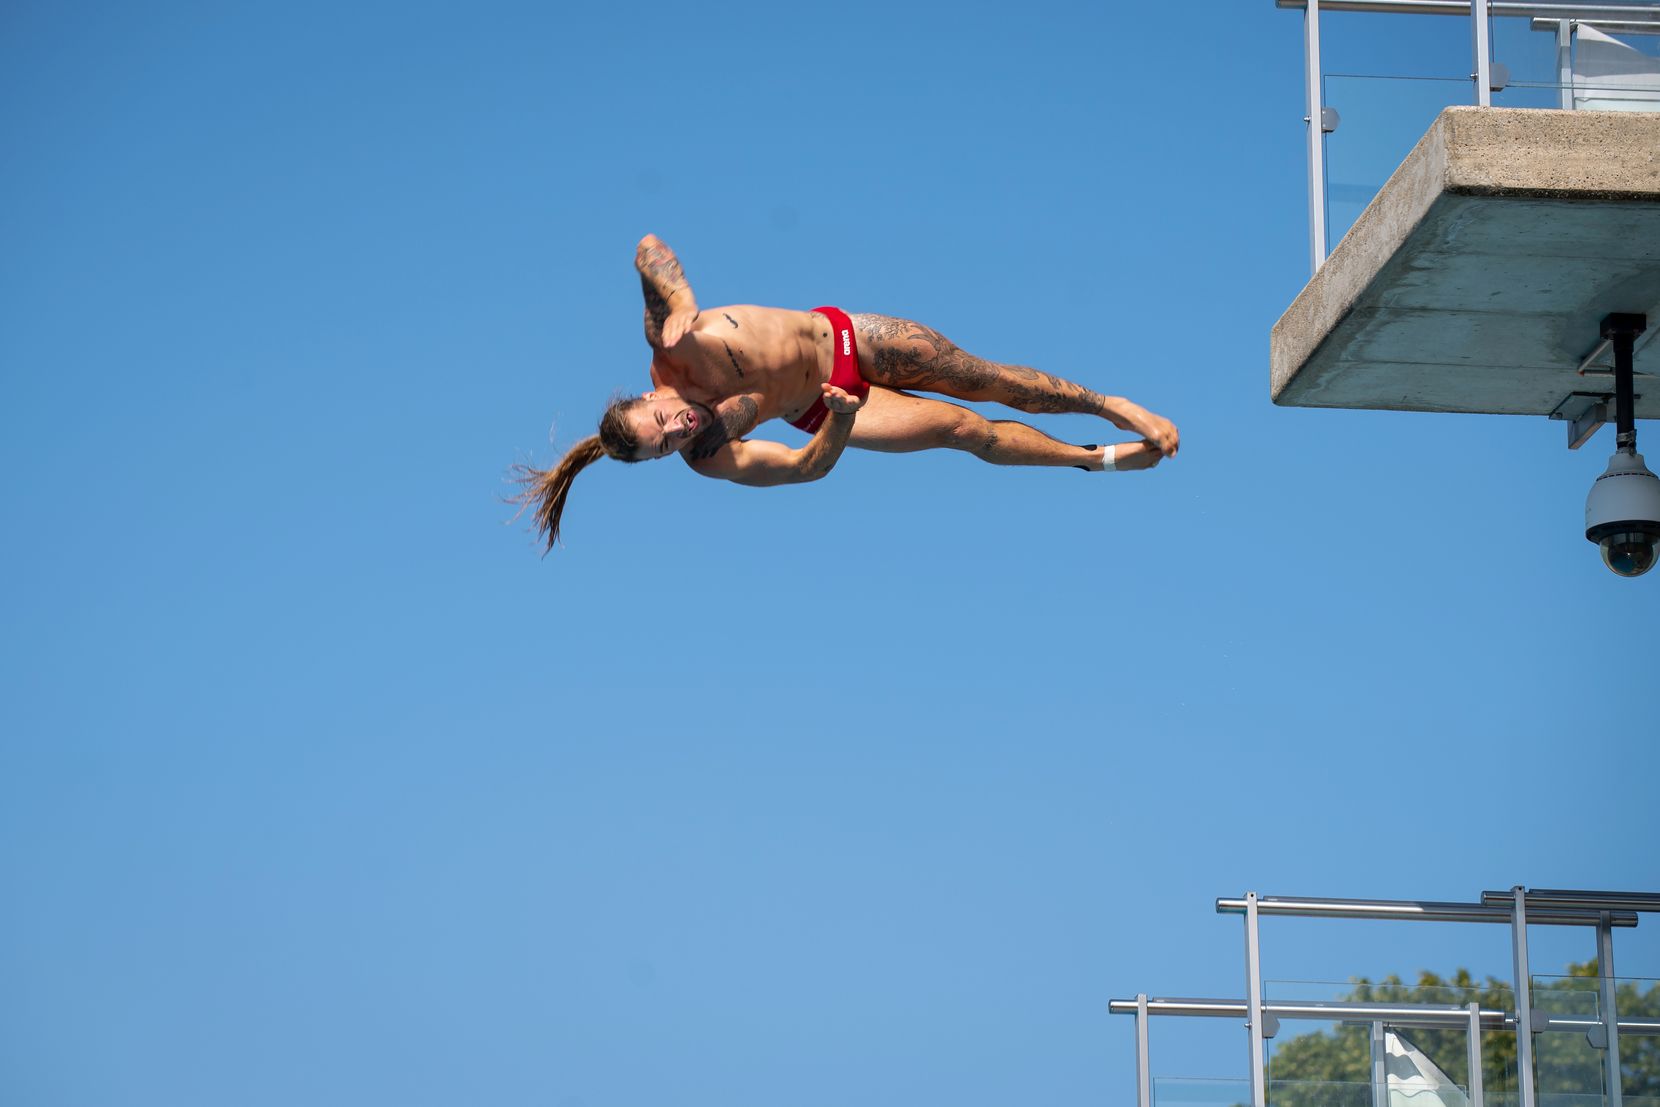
656 262
662 283
657 310
734 418
820 455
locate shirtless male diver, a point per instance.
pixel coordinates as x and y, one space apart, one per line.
845 379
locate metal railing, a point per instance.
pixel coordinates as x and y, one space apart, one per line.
1563 19
1517 908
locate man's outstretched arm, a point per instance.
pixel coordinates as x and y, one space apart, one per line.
670 306
763 464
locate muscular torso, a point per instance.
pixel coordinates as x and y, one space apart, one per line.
777 357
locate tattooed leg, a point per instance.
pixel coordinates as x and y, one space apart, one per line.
910 355
903 354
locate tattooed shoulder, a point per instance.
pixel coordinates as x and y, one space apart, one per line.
733 419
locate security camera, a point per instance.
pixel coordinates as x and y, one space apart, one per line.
1622 514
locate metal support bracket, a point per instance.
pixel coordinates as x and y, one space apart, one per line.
1585 413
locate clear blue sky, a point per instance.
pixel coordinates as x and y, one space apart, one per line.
318 785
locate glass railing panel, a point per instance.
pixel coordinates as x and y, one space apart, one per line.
1531 56
1567 1027
1188 1091
1565 1099
1639 998
1319 1093
1341 1051
1311 1093
1306 1050
1637 1001
1354 991
1605 94
1575 998
1380 120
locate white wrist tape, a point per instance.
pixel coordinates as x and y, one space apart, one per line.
1109 463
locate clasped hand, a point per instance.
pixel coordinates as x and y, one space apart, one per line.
841 401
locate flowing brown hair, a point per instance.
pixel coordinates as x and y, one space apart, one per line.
545 490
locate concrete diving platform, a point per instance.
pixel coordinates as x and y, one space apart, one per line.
1476 279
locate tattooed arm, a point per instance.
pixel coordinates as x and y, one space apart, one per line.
765 464
670 306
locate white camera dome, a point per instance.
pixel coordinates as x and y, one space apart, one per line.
1622 514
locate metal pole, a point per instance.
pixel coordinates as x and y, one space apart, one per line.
1610 1012
1380 1068
1253 997
1565 63
1524 996
1482 47
1598 902
1314 100
1472 1052
1623 328
1143 1078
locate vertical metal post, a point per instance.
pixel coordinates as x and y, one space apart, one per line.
1380 1068
1622 329
1316 135
1481 46
1610 1011
1524 996
1565 61
1472 1053
1143 1077
1253 983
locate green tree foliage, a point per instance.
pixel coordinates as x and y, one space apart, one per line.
1565 1061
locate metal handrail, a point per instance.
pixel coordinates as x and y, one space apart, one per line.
1585 13
1613 27
1426 910
1395 1014
1414 1014
1576 899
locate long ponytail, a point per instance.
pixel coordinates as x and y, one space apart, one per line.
545 490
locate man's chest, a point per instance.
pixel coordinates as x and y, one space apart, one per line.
712 366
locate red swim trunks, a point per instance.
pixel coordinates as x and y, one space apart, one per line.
844 368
